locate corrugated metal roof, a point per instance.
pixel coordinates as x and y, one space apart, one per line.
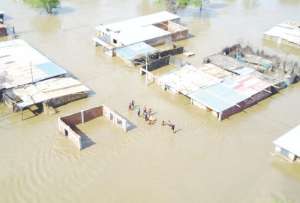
218 97
21 64
290 141
248 85
230 92
188 79
214 70
135 51
225 62
48 89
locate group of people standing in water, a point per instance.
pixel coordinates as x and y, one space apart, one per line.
148 115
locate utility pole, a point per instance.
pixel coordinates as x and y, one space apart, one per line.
30 64
146 77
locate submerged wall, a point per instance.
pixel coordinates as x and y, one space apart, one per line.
67 124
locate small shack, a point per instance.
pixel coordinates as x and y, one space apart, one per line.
52 92
67 125
287 31
288 145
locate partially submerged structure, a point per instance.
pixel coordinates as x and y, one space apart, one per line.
29 78
153 29
188 79
233 95
288 145
52 92
230 81
288 31
67 125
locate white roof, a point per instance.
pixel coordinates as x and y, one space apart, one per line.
289 31
141 21
21 64
48 89
140 34
290 141
188 79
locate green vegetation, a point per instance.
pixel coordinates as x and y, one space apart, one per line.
48 5
173 5
184 3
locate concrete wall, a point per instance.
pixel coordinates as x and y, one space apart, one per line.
71 134
116 118
178 32
67 124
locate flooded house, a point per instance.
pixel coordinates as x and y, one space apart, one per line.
230 81
287 31
153 29
232 95
217 90
67 125
52 92
288 145
31 79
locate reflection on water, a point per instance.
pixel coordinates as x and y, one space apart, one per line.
46 23
250 4
207 161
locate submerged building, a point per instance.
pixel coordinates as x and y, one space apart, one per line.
217 90
230 81
28 78
288 145
67 125
153 29
288 31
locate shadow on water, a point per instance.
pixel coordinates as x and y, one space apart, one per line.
63 10
197 13
86 141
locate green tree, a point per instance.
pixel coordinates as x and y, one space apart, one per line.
173 5
48 5
184 3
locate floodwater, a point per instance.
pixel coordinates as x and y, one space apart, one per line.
206 161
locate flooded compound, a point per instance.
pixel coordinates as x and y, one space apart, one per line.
204 161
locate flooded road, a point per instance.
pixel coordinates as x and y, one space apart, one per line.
206 161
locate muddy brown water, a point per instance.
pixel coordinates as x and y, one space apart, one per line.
206 161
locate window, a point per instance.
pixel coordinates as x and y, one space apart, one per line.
115 41
66 133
